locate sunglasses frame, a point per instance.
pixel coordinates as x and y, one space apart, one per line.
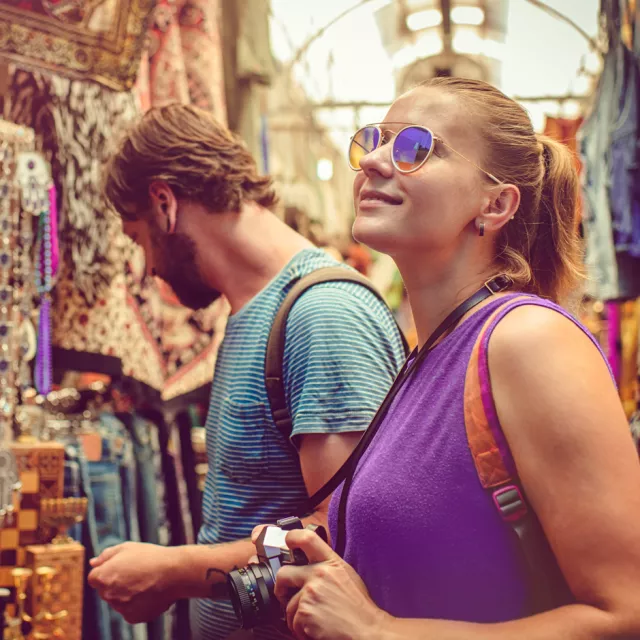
434 139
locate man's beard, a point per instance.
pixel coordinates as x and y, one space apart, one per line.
177 255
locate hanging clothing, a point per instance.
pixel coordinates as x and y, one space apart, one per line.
249 67
110 485
624 168
184 60
629 336
600 256
183 64
609 148
565 130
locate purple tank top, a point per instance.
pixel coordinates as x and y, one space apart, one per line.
421 531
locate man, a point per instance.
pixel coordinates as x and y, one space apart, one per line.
189 194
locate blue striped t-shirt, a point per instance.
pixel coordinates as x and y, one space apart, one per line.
342 352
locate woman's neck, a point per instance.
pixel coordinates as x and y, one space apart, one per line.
434 293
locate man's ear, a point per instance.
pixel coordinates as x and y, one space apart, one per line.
164 206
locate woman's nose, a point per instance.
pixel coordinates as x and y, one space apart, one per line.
378 161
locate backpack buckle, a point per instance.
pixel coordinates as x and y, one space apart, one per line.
510 503
498 283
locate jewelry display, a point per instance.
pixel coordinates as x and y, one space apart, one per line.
16 296
38 198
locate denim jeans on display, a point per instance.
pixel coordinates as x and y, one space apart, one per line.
146 450
117 441
96 617
623 168
73 484
113 484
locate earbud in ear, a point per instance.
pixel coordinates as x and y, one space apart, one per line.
168 225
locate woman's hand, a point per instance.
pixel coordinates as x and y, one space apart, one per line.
330 601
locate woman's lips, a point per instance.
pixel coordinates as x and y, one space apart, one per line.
370 197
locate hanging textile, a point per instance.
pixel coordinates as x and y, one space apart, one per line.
184 60
629 337
565 130
609 149
248 67
90 39
76 121
184 64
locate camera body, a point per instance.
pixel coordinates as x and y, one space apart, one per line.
251 588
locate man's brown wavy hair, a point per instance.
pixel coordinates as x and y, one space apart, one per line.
187 148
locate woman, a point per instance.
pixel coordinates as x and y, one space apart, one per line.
458 189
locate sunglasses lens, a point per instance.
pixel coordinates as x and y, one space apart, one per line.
410 148
364 142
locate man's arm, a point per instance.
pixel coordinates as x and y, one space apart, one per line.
158 576
204 568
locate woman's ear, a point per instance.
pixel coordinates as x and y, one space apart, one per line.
501 207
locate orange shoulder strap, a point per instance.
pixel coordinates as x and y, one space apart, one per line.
491 468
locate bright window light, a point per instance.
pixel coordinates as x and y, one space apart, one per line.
424 19
428 44
473 16
324 169
467 42
571 109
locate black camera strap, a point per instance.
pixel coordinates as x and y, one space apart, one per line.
347 471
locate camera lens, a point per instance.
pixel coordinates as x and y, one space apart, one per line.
251 593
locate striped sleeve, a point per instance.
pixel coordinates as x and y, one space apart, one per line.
342 352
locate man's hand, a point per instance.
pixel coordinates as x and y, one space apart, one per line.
140 581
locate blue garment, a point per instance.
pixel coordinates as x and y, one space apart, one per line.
625 205
595 139
96 619
342 352
73 484
146 450
109 485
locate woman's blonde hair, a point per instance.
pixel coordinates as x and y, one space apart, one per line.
540 249
199 158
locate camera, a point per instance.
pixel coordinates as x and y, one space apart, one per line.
251 588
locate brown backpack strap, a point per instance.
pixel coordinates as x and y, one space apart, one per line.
274 360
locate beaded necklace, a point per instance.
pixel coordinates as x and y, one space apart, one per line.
46 266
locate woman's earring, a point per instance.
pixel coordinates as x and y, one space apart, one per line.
481 229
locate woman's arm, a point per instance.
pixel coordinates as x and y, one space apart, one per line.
562 417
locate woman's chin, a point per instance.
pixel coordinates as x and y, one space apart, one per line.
375 234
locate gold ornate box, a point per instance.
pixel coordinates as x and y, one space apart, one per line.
67 586
40 468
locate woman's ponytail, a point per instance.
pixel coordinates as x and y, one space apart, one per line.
556 255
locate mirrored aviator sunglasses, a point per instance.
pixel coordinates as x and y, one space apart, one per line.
411 147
